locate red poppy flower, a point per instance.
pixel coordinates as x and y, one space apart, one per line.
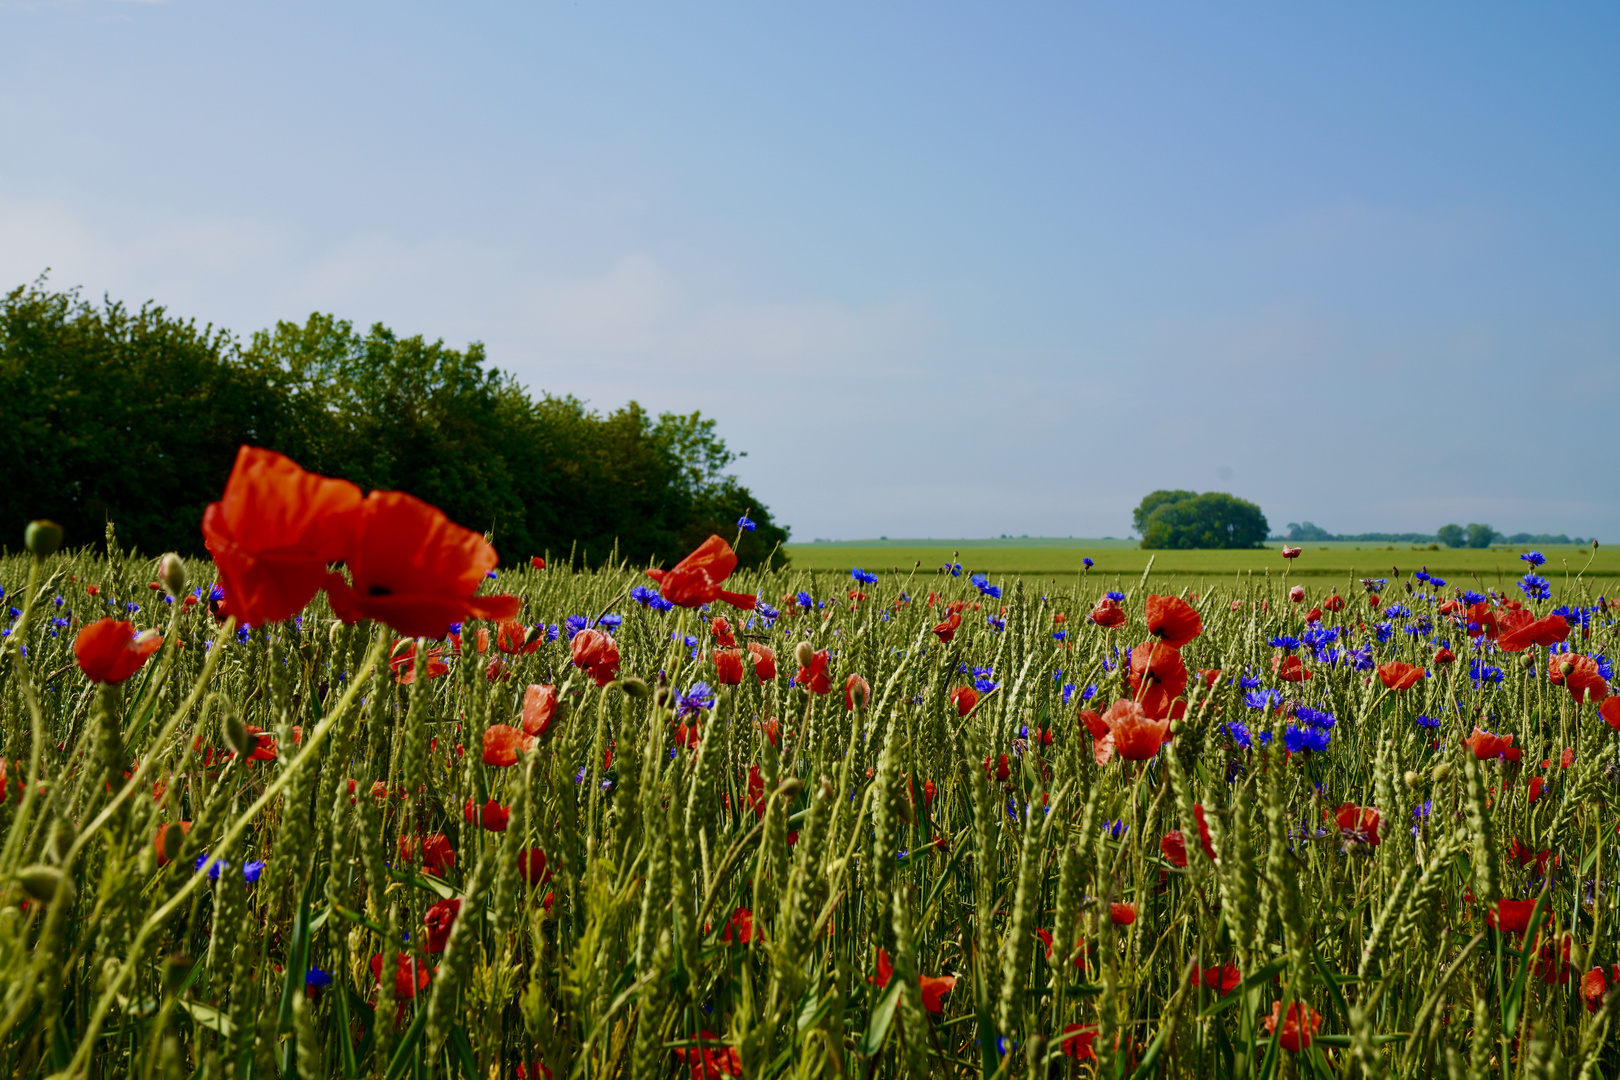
539 707
1102 747
1107 614
947 629
159 838
1174 847
964 698
1314 615
1136 736
537 562
264 746
814 678
728 667
688 735
512 638
1000 770
596 652
1552 961
1077 1040
536 1071
1204 839
1444 655
1511 916
1524 855
856 690
1488 747
1594 987
1582 680
739 928
1334 603
405 986
1297 594
1298 1029
402 659
764 661
1536 784
933 987
1161 665
695 580
1122 914
110 651
1610 712
1289 668
503 743
1359 824
1549 630
1172 620
438 920
274 531
1399 676
1224 977
532 865
492 816
415 569
755 793
710 1058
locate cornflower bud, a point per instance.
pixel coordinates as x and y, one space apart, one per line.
42 538
172 573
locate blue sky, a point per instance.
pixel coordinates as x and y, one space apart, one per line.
941 269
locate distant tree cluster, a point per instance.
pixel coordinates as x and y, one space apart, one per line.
136 416
1186 519
1454 536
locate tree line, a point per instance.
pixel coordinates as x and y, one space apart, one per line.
1474 535
135 416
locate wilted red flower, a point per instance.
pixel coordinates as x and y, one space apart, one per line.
503 743
1298 1029
964 698
856 691
1296 595
1121 914
934 987
764 661
438 920
710 1058
415 569
1549 630
1289 668
814 678
1172 620
1399 676
1359 824
1583 680
695 580
532 865
1136 736
1107 614
405 985
947 629
1077 1040
1488 747
1174 847
1511 916
597 652
1223 977
539 707
1162 667
402 659
739 928
110 651
274 531
1291 552
728 667
492 816
512 637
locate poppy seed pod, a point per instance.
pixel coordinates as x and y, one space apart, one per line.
636 688
43 882
42 538
236 736
804 653
172 573
1441 771
1412 779
61 841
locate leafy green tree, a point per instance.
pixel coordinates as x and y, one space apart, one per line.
1153 502
1210 520
1451 535
1480 536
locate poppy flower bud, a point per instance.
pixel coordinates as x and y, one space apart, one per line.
172 573
790 788
61 840
42 882
1528 662
661 697
42 538
1566 668
804 653
1412 779
1297 594
176 970
170 838
236 735
636 688
1441 771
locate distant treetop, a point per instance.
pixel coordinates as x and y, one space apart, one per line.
1186 519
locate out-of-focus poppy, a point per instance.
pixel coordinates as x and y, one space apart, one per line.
1524 855
1046 939
1334 603
755 792
1610 711
1204 838
1076 1042
1489 747
1223 977
1536 784
934 987
415 569
1291 552
1361 825
160 839
739 928
1107 614
1594 987
764 661
264 746
947 629
274 531
539 708
1289 668
537 562
1298 1028
1444 655
1583 680
710 1058
1136 736
814 676
512 638
409 976
1296 595
1399 676
110 651
503 743
695 580
1174 847
596 652
491 817
722 633
1552 964
1482 620
1160 665
1549 630
728 667
1172 620
438 920
532 865
1121 914
1510 916
535 1071
1102 748
856 691
402 659
1314 615
1000 768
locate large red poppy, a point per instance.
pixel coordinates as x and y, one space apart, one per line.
1482 620
438 857
438 920
1077 1040
405 986
1583 680
596 652
1172 620
1489 747
1161 665
947 629
1289 668
402 659
274 531
1136 736
764 661
1510 916
1359 824
1594 987
503 743
1399 676
739 928
110 651
695 580
539 706
512 638
1174 846
415 569
491 817
1107 614
964 698
815 678
1610 711
1549 630
532 866
1224 977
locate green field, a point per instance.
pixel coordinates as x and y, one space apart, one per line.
1324 565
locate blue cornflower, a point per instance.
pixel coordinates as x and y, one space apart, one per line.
1423 574
804 599
1397 611
1057 675
1428 721
1535 587
242 633
1262 699
1471 597
611 622
1375 584
132 606
455 628
1089 693
1534 558
1284 641
1438 582
252 870
1240 734
698 698
214 867
955 568
574 624
745 525
982 583
1059 635
643 595
1420 813
1481 672
766 612
863 577
316 979
984 685
1384 631
1315 717
1088 563
1308 738
979 672
490 575
1248 682
1116 597
1361 659
1068 692
1605 668
1116 829
995 623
